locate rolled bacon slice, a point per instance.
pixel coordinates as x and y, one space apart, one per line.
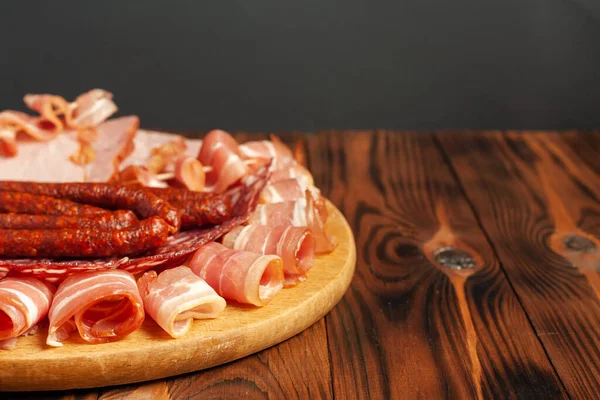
301 212
23 303
176 297
273 149
296 171
221 152
291 190
102 306
243 276
295 246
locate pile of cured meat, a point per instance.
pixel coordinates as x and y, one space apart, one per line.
102 224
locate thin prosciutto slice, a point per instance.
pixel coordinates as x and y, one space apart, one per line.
102 306
301 212
243 276
91 109
176 297
221 152
296 171
295 246
292 189
272 149
23 303
23 123
51 109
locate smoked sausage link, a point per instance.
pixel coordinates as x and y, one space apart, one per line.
150 233
109 220
107 195
26 203
197 208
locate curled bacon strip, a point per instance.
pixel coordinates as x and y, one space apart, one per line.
295 246
102 306
302 212
176 297
243 276
221 152
23 303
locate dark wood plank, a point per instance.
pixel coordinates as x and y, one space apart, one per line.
409 326
540 206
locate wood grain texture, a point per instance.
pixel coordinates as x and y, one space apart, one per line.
410 327
540 205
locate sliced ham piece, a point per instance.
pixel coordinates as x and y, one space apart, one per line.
295 246
221 152
113 144
243 276
43 162
176 297
23 303
301 212
102 306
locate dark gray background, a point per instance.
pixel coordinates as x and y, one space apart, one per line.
313 64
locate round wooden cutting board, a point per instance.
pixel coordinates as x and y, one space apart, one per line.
149 353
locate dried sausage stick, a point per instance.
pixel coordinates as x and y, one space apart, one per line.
116 220
142 202
25 203
149 234
197 208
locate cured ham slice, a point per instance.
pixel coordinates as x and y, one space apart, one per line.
177 248
272 149
221 152
102 306
23 303
176 297
43 162
302 212
113 144
243 276
295 246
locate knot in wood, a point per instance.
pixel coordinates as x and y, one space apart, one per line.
579 243
454 258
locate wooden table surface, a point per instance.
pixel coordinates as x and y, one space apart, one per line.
477 276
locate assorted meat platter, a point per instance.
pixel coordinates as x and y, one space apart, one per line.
106 229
